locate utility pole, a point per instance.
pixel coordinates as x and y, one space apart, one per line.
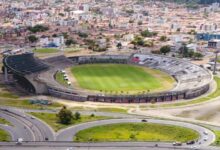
216 58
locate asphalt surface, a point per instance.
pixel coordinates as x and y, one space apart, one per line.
67 134
26 127
35 131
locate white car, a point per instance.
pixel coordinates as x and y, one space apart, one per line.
205 132
206 138
194 147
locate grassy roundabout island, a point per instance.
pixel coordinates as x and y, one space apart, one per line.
4 136
120 78
136 132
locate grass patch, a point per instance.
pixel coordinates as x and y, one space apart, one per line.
27 104
113 110
101 109
213 95
46 50
4 92
72 49
52 120
5 122
8 95
119 78
60 78
4 136
136 132
217 137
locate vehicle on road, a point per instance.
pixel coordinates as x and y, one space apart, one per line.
143 120
190 142
205 132
177 144
194 147
205 138
19 141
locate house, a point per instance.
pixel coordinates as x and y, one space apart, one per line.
51 42
214 44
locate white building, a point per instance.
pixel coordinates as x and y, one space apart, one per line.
45 41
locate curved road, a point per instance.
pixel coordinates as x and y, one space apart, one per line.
26 127
35 131
67 134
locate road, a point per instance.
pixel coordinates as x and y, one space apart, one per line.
35 131
67 134
26 127
97 146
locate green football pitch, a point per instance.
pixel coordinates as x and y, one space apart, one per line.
115 78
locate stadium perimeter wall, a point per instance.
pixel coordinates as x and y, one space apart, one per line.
44 88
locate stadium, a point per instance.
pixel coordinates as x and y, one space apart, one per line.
136 78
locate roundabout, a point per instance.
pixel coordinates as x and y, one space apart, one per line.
36 131
136 132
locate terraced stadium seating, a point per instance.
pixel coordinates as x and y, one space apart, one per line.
24 63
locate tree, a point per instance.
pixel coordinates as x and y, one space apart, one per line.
38 28
83 35
32 38
77 116
165 49
184 51
91 44
70 42
147 33
119 45
65 35
163 38
197 55
138 40
65 116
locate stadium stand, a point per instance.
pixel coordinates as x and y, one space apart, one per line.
24 64
37 76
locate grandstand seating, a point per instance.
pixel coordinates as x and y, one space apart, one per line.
192 80
59 61
188 75
24 64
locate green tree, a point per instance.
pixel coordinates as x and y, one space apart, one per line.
77 116
83 35
138 40
197 55
65 116
119 45
184 51
163 38
32 38
147 33
38 28
165 49
70 42
65 35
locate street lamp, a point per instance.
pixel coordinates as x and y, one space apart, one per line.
216 58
